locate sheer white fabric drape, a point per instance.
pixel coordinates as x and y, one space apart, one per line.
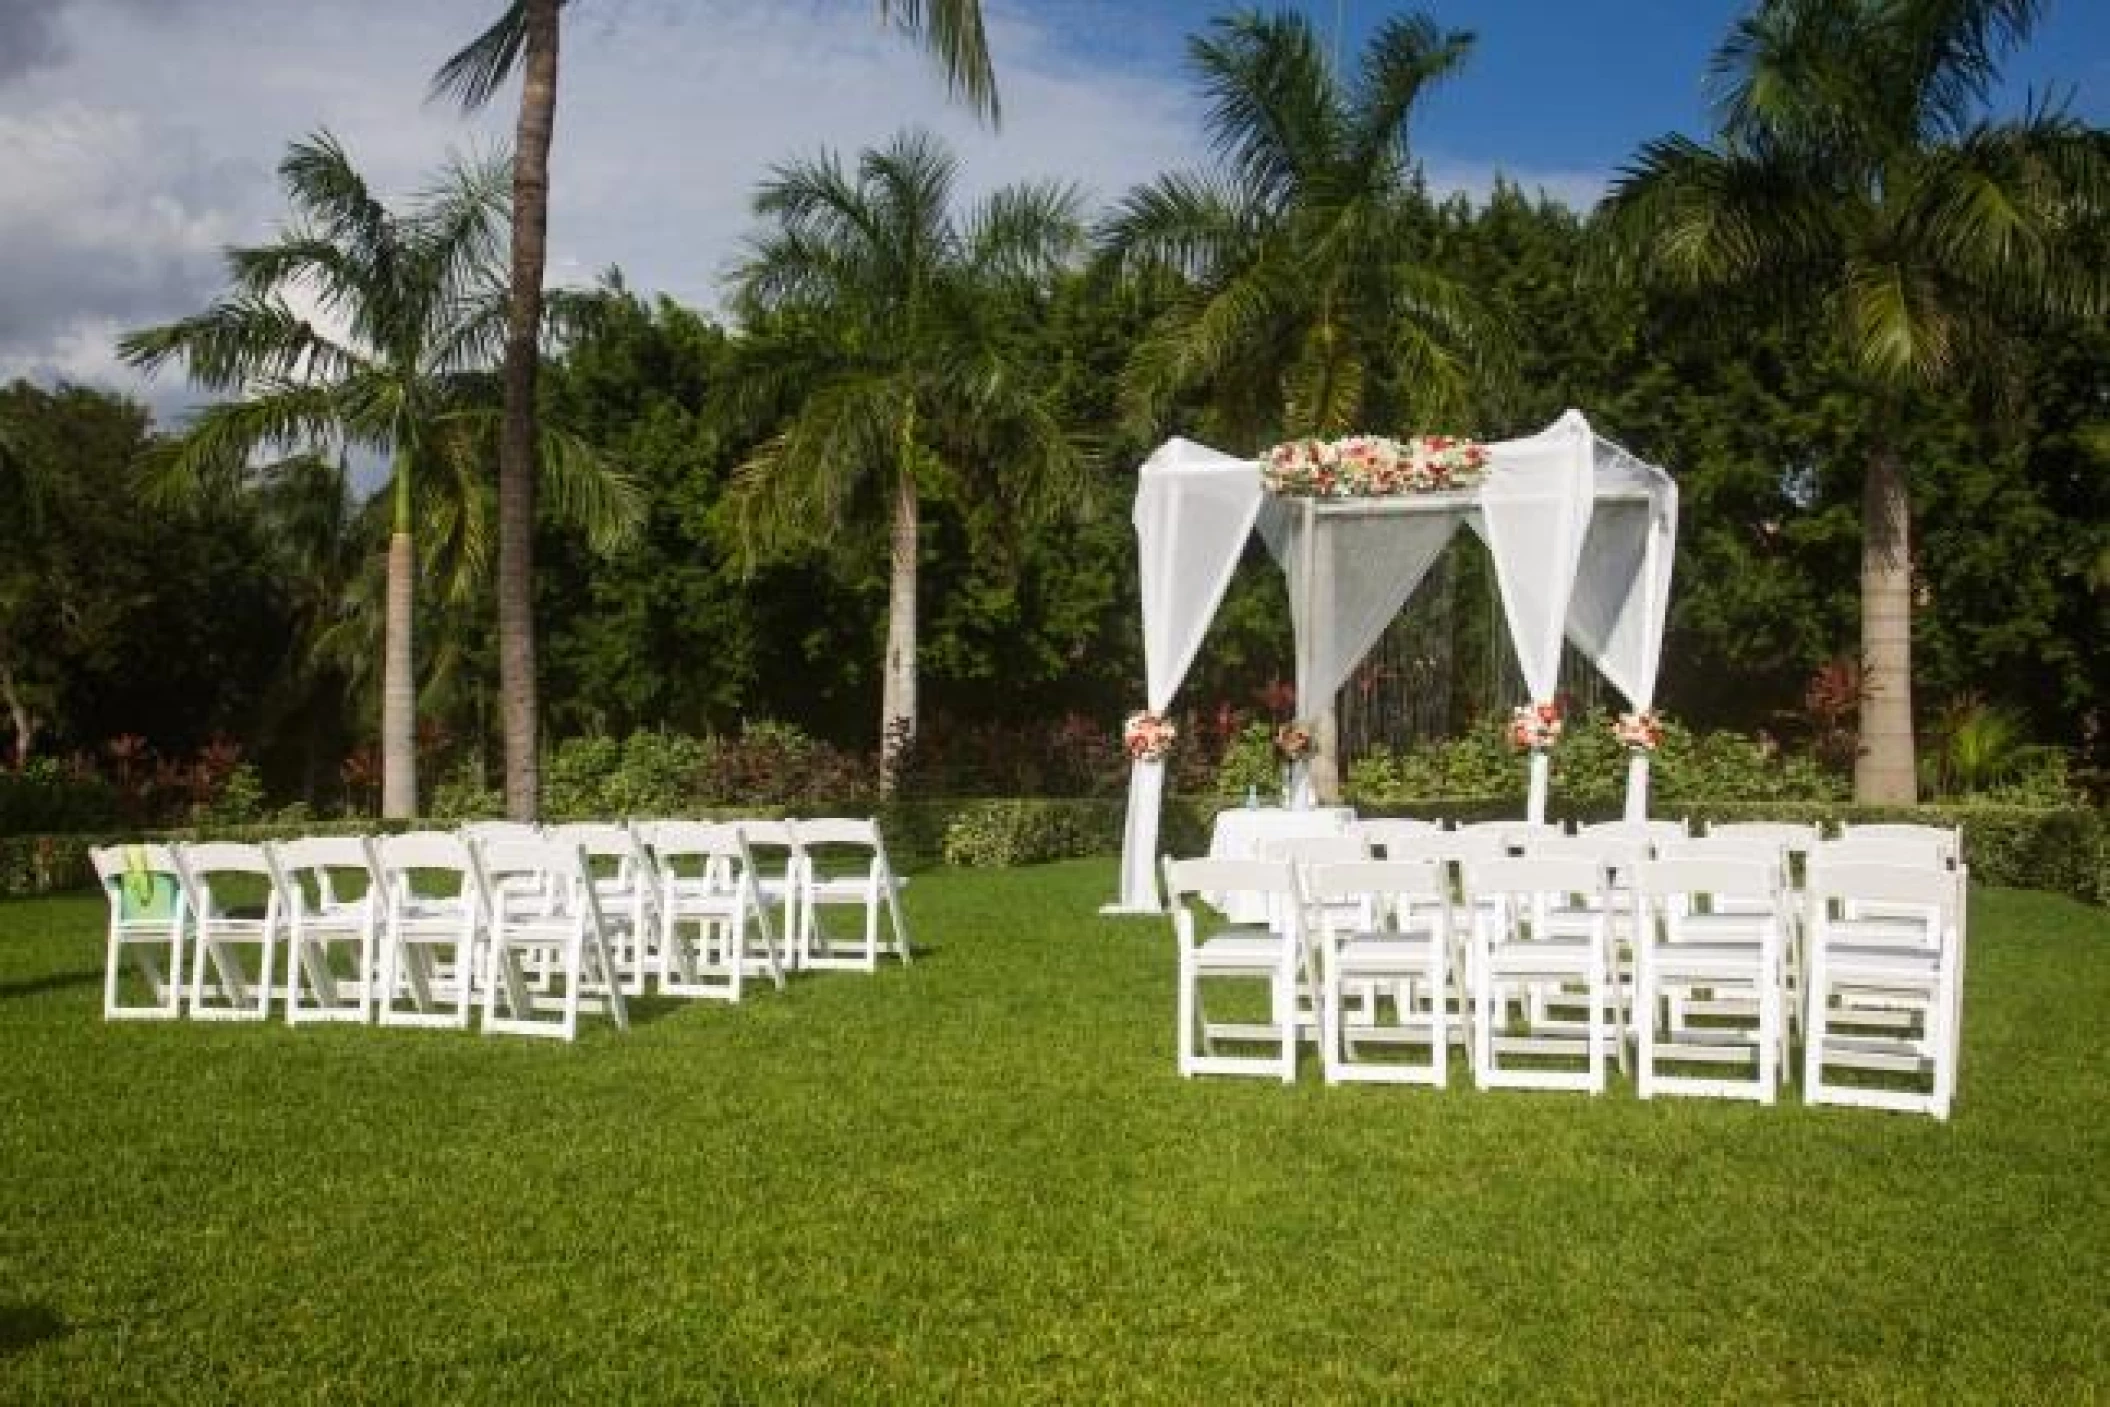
1194 512
1622 586
1534 513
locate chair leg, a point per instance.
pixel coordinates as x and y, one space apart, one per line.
1189 1034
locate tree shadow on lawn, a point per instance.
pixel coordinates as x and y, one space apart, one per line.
24 1326
49 982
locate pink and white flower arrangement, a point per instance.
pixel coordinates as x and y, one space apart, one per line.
1371 466
1148 736
1534 727
1638 732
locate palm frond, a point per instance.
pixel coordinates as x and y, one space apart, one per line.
475 73
1692 218
1195 226
1024 232
242 341
1406 56
952 32
1895 326
587 490
840 445
1274 111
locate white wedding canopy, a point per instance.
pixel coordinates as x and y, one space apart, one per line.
1581 532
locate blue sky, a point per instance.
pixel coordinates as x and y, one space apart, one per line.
1574 84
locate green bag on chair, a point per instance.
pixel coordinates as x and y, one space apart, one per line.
143 893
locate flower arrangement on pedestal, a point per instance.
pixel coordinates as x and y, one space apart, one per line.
1148 736
1638 732
1294 741
1534 727
1371 466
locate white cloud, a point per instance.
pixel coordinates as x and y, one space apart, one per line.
146 134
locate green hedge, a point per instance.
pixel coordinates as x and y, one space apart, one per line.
2060 850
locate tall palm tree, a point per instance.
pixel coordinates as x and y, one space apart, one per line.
1857 179
526 36
886 331
410 314
1296 305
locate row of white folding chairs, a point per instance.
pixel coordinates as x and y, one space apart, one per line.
1547 930
417 929
691 891
1908 1027
433 922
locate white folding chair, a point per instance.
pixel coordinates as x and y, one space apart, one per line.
780 869
432 924
549 957
236 898
1762 842
1885 940
1547 947
150 921
1383 922
1714 925
333 906
626 886
1274 952
707 902
845 866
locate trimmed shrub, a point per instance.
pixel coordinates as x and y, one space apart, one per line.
1028 832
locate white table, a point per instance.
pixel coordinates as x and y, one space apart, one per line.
1242 833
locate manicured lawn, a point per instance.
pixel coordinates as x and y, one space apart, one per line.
978 1179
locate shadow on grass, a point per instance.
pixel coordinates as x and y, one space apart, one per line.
27 1325
50 982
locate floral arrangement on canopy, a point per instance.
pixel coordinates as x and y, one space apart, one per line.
1534 727
1371 466
1294 741
1638 732
1148 736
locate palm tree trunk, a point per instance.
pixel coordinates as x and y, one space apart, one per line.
399 703
516 446
1884 766
20 718
897 707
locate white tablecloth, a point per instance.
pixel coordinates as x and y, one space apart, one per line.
1241 833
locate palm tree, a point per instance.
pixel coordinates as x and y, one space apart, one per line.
525 36
886 329
1296 304
1857 180
415 310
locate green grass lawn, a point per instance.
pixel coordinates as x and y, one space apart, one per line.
979 1179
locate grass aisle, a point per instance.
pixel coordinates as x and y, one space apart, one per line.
978 1179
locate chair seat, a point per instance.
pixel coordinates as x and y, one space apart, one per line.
1254 948
1387 953
1679 959
1845 961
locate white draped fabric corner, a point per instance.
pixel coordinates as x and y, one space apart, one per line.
1534 514
1194 512
1622 586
